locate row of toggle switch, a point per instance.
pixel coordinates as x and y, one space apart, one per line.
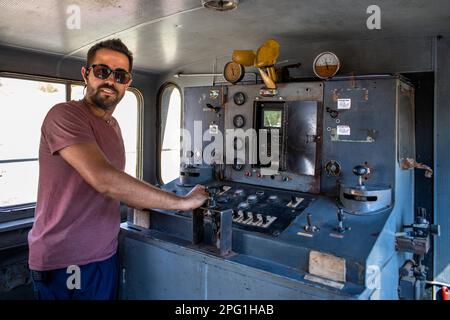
253 219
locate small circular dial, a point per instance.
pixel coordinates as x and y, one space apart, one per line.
239 98
333 168
239 121
326 65
233 72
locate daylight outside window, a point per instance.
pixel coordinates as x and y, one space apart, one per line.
23 106
170 113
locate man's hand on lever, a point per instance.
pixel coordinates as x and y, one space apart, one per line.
195 198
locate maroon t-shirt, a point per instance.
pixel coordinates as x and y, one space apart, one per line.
74 224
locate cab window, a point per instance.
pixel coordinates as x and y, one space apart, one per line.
169 132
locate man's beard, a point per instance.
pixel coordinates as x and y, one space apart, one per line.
106 102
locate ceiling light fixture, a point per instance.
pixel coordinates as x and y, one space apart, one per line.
220 5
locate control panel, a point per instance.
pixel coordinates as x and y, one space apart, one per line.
257 209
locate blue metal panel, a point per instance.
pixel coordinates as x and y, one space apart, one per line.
372 108
274 265
442 159
164 270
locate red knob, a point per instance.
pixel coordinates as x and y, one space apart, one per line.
445 294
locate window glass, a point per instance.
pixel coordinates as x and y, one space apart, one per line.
170 133
23 106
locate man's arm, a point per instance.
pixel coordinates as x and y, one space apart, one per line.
89 161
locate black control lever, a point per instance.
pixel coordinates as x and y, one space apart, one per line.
361 171
340 216
212 193
264 218
310 227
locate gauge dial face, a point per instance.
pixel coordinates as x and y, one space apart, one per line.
239 121
239 98
326 65
233 72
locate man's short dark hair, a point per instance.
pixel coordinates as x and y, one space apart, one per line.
111 44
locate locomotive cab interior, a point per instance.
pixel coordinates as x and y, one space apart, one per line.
321 138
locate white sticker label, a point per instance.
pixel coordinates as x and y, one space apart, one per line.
344 103
373 277
343 130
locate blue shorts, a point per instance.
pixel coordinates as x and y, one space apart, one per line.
93 281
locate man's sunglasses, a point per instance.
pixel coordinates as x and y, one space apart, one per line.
102 72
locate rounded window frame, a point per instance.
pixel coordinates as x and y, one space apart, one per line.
160 94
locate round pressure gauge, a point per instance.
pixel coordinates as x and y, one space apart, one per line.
239 98
326 65
239 121
233 72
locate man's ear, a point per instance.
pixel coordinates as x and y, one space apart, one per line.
84 74
129 84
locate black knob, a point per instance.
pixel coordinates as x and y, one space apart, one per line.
264 218
245 214
254 217
212 191
293 199
361 170
235 214
212 203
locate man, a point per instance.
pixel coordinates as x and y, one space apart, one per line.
81 182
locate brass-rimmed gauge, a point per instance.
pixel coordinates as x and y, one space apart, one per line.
233 72
326 65
239 121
